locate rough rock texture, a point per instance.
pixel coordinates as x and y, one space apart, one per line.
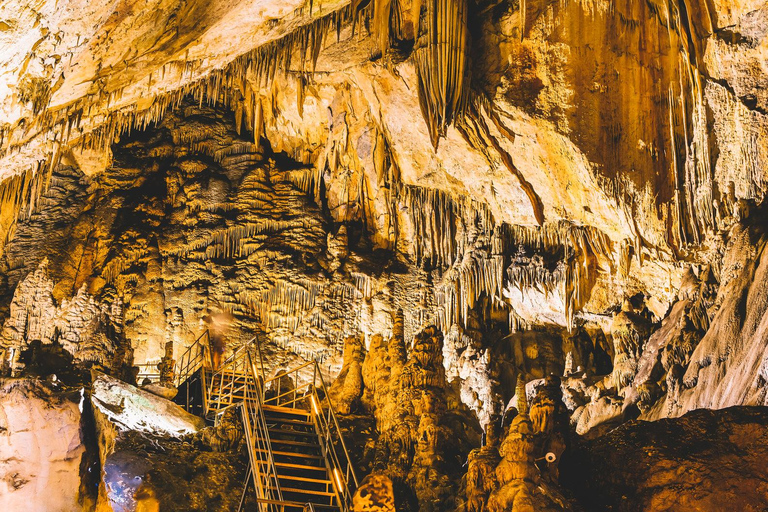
133 409
539 198
483 196
347 390
407 393
153 454
84 328
518 482
375 494
145 471
705 460
41 447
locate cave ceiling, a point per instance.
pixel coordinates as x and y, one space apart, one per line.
612 140
596 113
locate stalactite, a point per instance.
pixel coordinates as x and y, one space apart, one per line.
283 305
364 284
444 224
461 238
537 276
580 251
20 194
441 65
258 66
463 285
381 22
307 180
231 242
126 258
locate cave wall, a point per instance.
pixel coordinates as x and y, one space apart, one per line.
600 145
192 220
577 189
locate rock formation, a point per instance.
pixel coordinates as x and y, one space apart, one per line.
629 469
347 389
43 447
500 228
375 494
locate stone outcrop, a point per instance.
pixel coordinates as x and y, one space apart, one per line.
704 460
408 389
88 330
132 409
155 456
42 447
375 494
726 366
347 390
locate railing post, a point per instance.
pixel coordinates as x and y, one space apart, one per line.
295 386
204 387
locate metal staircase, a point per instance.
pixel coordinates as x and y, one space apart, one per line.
297 454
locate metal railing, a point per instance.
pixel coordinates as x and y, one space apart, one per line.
304 387
239 382
195 361
197 356
332 443
266 482
232 383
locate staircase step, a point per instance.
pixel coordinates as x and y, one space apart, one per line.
284 431
308 493
301 466
291 429
235 399
282 421
294 506
291 454
307 484
305 479
217 384
285 410
313 473
292 443
328 501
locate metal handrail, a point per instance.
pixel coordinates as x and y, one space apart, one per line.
327 425
344 466
265 471
290 397
293 370
237 382
197 356
230 383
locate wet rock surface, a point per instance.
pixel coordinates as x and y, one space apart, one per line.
154 454
175 475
